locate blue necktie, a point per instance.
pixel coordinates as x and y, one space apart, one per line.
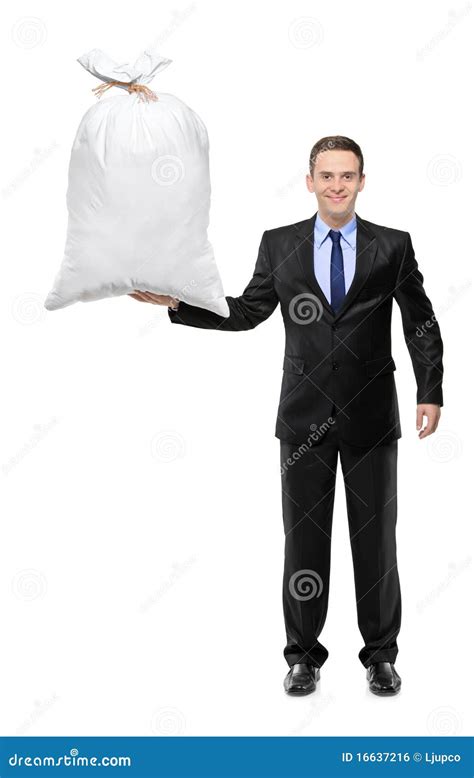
338 287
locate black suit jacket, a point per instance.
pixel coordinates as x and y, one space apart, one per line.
341 360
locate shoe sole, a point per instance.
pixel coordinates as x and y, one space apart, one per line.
301 693
387 693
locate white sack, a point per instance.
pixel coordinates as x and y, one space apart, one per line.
138 196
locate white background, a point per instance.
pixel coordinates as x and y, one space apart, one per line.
142 537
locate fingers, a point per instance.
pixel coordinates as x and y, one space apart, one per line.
151 297
155 299
432 415
426 430
137 296
419 417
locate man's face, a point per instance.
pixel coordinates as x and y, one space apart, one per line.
336 183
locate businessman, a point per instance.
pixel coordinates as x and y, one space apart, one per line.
335 277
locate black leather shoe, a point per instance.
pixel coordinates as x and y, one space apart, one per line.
301 679
383 679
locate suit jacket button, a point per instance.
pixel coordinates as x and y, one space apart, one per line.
334 326
335 365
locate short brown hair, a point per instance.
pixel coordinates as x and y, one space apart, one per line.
335 142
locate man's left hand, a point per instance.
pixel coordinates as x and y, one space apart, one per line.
432 413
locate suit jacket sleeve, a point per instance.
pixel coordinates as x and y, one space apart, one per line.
422 333
254 305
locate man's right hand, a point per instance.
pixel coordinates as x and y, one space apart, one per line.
155 299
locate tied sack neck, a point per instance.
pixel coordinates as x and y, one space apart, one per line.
144 93
132 77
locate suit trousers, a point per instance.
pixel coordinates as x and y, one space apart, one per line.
308 474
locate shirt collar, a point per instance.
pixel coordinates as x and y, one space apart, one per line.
321 231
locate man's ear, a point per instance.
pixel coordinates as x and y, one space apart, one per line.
309 183
362 182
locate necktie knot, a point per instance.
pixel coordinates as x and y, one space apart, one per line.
335 236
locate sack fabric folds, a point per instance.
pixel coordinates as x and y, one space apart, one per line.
138 195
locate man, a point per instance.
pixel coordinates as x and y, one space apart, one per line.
335 276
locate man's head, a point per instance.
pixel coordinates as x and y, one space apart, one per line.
336 176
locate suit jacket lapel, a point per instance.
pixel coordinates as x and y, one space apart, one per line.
304 247
366 250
